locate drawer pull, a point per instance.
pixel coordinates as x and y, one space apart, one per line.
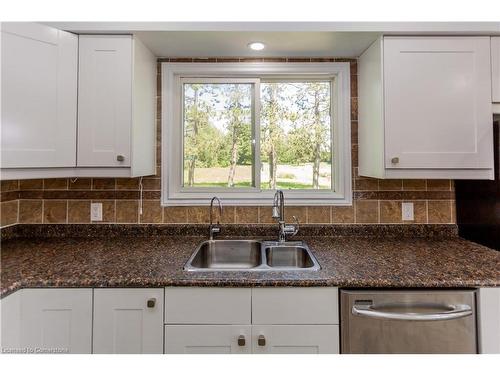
120 158
395 160
241 340
151 303
261 341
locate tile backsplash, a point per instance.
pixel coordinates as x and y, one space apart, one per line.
64 200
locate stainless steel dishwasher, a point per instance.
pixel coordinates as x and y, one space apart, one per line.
394 321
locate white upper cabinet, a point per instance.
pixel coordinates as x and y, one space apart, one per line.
104 100
425 108
76 106
116 104
437 103
39 96
495 69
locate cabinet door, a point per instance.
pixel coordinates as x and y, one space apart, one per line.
438 102
10 308
204 339
39 96
489 320
495 69
128 321
104 100
56 320
295 339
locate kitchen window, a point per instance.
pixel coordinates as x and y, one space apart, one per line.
240 131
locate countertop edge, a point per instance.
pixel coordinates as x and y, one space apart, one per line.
248 284
409 230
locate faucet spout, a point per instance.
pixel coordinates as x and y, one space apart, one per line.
215 228
279 215
279 205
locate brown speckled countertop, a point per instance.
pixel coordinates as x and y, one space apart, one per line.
157 261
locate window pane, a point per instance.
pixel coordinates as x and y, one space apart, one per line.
218 148
296 151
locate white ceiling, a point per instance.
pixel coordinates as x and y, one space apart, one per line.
466 28
290 39
278 44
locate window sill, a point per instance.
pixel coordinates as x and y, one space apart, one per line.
316 200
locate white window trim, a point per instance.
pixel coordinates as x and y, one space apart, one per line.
172 134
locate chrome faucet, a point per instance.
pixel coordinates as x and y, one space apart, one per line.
215 228
279 215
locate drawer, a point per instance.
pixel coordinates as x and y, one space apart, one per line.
208 339
185 305
295 305
295 339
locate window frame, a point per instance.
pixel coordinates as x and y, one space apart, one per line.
173 77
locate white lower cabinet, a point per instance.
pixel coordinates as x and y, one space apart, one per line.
171 320
47 321
295 339
196 320
187 305
251 320
489 320
128 321
312 305
295 320
246 339
208 339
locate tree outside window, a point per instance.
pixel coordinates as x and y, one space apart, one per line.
295 135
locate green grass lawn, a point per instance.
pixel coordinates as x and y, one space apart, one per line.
289 177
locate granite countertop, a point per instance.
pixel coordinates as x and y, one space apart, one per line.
158 260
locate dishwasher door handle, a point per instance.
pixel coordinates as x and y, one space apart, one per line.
451 312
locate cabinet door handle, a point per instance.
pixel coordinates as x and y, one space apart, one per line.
261 341
120 157
395 160
241 340
151 303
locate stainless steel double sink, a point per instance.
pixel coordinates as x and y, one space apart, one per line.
251 255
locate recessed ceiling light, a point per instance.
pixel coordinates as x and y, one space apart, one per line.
256 46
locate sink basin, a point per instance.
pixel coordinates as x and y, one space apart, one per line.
288 257
227 254
251 255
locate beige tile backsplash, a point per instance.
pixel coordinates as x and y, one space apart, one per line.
68 200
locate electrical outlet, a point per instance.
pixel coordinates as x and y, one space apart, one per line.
407 209
96 212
